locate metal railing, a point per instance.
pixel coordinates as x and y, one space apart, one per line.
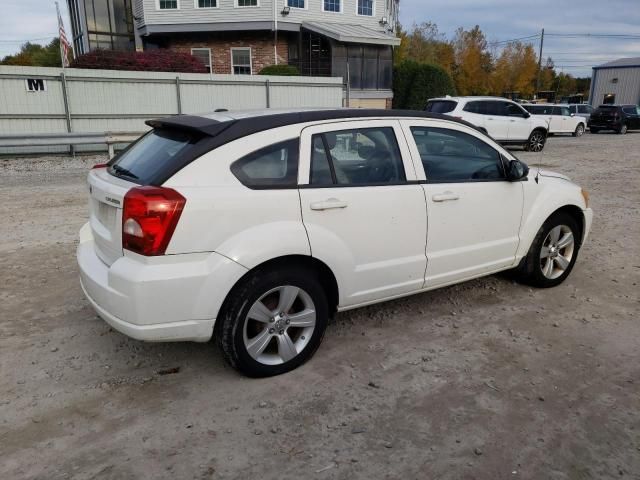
110 139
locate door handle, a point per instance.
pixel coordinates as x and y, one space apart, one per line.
512 120
328 204
445 197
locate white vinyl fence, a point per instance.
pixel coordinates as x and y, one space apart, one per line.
41 100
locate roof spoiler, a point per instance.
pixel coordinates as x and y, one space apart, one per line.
191 123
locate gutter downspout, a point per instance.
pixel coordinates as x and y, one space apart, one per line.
275 30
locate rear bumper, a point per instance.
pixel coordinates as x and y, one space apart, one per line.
604 125
168 298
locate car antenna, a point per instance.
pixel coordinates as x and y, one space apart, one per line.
537 179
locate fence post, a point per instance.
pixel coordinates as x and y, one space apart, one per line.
67 112
348 99
178 95
267 85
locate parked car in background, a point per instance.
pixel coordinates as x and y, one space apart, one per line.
618 118
582 110
559 118
504 120
257 226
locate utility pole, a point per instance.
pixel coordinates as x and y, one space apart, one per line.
539 63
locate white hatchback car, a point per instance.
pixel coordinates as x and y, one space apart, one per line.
256 227
559 118
506 121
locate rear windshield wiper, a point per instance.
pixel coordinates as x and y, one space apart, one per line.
123 172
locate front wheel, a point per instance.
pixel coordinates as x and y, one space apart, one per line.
273 322
623 129
579 130
536 141
553 252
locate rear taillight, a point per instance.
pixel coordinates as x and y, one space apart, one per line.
99 165
149 218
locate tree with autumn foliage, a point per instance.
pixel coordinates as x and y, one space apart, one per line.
473 62
515 70
425 44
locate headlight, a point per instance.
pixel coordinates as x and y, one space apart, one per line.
585 195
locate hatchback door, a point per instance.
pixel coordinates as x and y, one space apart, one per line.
363 210
474 213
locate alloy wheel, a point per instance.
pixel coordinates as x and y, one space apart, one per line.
279 325
536 142
557 252
579 130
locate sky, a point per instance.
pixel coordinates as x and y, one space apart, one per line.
500 20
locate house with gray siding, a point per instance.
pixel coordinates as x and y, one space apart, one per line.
352 39
616 82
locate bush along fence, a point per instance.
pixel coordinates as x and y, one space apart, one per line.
414 83
52 100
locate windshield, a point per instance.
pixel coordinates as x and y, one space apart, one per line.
151 154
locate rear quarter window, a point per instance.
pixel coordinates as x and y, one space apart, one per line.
152 156
441 106
274 166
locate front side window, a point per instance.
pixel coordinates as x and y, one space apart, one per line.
247 3
207 3
204 55
241 61
514 110
331 5
363 156
365 7
450 156
168 4
269 167
295 3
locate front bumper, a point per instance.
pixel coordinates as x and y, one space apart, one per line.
167 298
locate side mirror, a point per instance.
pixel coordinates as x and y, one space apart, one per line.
526 114
573 114
517 171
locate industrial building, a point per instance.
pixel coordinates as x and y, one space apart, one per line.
616 82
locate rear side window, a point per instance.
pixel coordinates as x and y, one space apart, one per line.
476 107
152 155
441 106
631 110
275 166
364 156
450 156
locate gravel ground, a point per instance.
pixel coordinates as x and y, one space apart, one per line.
484 380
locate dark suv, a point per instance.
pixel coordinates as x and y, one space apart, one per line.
615 117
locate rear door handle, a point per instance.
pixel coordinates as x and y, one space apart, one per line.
445 197
328 204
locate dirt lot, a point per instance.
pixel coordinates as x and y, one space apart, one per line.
485 380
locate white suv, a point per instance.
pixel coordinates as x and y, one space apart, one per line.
559 118
506 121
258 226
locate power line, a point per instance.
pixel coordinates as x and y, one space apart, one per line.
498 42
48 37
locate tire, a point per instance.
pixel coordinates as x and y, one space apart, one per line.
623 129
534 269
536 141
254 317
579 130
594 130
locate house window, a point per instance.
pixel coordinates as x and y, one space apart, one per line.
246 3
241 61
365 7
203 54
168 4
207 3
331 5
295 3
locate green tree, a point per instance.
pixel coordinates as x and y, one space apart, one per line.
34 55
414 83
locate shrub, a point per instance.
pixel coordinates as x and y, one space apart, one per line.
285 70
161 60
414 83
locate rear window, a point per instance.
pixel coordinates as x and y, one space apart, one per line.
152 156
441 106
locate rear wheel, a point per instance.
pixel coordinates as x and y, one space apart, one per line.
579 130
623 129
553 252
273 322
536 141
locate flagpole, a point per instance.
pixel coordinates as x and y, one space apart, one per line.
63 60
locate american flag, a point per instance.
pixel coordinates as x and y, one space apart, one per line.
65 46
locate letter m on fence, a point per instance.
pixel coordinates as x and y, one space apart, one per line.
36 85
